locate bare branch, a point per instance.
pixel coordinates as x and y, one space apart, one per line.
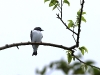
73 34
79 25
74 38
31 43
65 24
61 9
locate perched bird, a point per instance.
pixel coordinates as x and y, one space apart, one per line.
36 36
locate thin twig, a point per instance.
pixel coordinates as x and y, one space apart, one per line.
61 9
65 24
74 38
73 34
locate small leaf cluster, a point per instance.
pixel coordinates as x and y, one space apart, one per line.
56 3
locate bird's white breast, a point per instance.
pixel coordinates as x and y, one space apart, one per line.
36 36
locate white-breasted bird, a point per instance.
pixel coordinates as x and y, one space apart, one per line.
36 36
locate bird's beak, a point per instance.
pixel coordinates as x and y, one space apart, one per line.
42 30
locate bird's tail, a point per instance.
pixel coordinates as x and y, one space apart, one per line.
34 49
34 53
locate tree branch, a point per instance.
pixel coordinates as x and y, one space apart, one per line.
32 43
65 24
73 34
61 9
79 25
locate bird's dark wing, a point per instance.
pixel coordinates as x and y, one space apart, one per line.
31 35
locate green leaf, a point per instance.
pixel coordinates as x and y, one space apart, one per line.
85 49
70 24
82 50
45 1
69 58
51 65
84 67
55 6
78 71
83 13
83 19
96 71
53 2
67 2
44 70
89 62
78 12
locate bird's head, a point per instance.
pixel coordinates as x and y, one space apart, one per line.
38 29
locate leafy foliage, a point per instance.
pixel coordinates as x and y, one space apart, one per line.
70 24
46 0
84 67
52 3
83 19
69 57
76 67
80 16
55 3
83 49
55 6
42 72
67 2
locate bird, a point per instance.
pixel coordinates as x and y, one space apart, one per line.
36 36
